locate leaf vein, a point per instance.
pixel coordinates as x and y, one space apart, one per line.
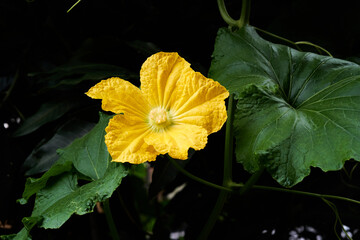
309 78
335 123
91 161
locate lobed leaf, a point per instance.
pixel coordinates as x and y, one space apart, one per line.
295 110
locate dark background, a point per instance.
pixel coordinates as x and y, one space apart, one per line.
37 36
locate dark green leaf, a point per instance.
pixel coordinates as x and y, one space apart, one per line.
34 185
22 235
48 112
67 76
88 155
295 110
44 156
145 48
62 197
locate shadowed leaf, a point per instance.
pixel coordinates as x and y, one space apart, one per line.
44 156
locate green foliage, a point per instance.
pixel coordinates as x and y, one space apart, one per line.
22 235
61 91
44 155
47 112
58 194
295 110
62 197
72 75
89 154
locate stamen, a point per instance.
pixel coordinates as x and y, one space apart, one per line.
159 118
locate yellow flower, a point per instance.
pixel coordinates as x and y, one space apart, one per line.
175 109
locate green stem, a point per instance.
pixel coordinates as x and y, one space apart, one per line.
244 17
245 13
213 216
110 220
296 44
228 151
250 183
315 46
224 13
352 171
200 180
337 219
227 177
278 37
304 193
73 6
260 187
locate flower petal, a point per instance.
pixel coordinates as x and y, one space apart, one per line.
200 101
125 140
177 139
120 96
159 75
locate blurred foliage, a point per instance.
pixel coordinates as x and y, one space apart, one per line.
50 58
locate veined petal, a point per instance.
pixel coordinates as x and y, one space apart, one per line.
200 101
125 140
120 96
177 139
159 75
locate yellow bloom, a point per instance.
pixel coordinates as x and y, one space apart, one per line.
175 109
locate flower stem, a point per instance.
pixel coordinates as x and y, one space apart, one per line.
110 220
227 177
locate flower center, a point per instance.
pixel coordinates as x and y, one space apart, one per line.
159 118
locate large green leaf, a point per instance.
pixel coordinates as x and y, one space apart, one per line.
295 110
62 197
88 155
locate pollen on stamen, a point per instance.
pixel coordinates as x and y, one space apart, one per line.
159 119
